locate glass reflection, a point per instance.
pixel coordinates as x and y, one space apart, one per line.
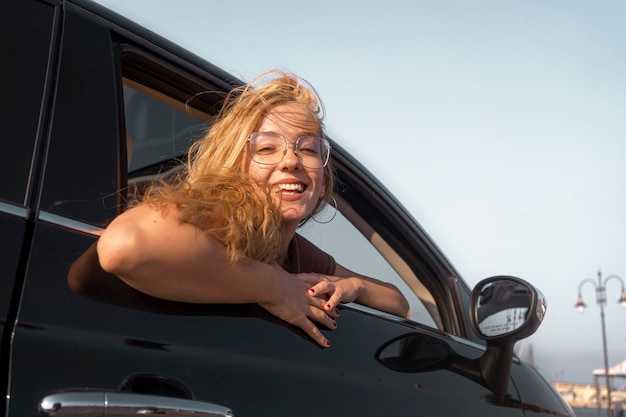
503 307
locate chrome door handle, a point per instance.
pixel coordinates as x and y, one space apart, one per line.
103 404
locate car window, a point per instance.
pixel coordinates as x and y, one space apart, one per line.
158 128
165 111
335 234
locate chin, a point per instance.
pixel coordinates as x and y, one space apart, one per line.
293 215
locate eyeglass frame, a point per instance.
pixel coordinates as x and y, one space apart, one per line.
324 142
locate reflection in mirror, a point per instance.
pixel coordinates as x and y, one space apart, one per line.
503 307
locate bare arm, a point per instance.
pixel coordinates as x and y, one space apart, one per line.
151 251
348 286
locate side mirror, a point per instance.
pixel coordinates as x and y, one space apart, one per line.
503 310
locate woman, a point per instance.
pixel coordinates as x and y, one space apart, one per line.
226 232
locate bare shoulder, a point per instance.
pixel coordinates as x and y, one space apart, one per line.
143 214
137 223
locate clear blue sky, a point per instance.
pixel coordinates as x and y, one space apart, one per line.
501 126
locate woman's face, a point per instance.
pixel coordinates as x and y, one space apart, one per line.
297 188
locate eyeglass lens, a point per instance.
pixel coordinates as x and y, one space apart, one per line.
269 148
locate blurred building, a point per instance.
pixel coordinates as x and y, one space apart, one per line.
589 395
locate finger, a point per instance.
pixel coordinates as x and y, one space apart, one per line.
320 303
333 312
303 322
332 302
323 287
323 318
314 333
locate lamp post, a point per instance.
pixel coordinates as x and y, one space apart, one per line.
601 301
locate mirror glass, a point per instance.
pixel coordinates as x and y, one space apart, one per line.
503 307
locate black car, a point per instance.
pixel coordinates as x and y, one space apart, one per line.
96 107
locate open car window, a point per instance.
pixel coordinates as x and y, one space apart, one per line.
371 256
165 110
158 128
162 119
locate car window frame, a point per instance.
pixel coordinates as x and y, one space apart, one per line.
438 277
450 286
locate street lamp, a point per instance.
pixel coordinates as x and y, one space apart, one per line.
601 301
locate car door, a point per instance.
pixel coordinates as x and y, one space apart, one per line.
125 107
27 30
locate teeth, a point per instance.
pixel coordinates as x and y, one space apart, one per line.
291 187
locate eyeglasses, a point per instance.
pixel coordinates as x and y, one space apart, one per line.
269 148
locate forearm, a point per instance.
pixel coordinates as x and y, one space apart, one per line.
382 296
376 294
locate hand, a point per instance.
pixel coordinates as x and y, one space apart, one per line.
293 304
333 290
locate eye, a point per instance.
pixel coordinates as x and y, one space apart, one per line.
265 148
266 143
309 145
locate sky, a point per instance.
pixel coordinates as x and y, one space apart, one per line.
500 126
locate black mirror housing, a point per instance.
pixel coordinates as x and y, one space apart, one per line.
503 310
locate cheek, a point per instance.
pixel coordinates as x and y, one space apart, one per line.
248 167
257 172
319 183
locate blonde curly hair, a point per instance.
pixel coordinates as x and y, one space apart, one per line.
214 192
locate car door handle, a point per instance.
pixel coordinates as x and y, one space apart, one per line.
103 404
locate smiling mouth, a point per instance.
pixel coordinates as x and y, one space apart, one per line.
290 188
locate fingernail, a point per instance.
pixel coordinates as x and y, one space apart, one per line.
337 311
328 343
311 290
334 323
327 306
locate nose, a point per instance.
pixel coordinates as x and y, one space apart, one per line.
290 158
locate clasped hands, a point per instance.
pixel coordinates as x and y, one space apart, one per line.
301 299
